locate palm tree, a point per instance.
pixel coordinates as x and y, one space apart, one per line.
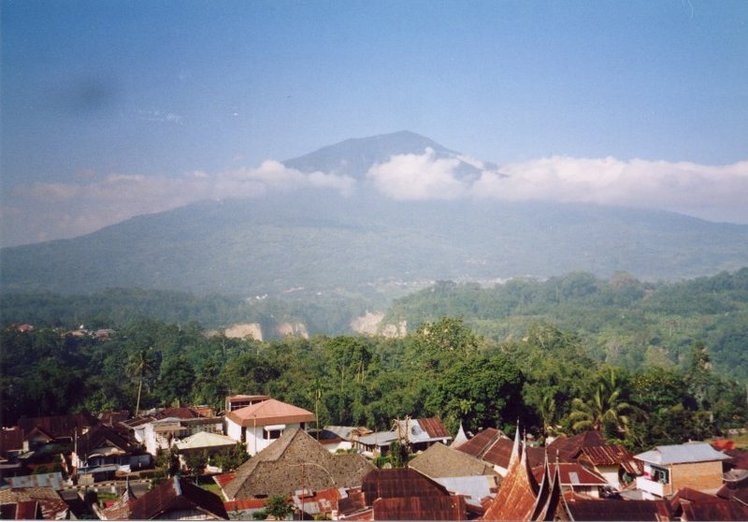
140 366
603 410
548 411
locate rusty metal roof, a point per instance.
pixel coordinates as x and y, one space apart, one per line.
481 443
569 448
571 474
420 508
611 455
402 482
434 427
690 504
500 452
177 494
517 494
580 509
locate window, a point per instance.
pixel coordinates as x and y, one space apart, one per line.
660 475
273 432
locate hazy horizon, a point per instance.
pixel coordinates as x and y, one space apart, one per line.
115 109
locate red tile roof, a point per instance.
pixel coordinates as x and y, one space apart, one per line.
244 504
224 479
270 412
723 444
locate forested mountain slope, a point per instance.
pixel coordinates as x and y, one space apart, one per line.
620 320
319 239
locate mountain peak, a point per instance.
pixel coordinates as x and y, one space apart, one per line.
355 156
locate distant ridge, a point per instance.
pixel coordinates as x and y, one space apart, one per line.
318 239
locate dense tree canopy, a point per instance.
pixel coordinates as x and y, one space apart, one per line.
640 373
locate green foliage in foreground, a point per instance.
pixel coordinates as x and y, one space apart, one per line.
620 321
546 379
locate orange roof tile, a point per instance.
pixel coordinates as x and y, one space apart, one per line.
269 412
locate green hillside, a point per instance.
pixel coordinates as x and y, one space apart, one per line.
621 320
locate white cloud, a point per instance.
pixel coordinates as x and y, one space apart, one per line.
41 211
418 177
711 192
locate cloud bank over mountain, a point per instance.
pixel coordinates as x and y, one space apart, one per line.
42 211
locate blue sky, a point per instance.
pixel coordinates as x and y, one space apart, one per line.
160 89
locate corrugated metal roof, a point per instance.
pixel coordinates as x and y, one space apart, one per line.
420 508
379 438
690 504
517 494
40 480
500 452
582 509
421 430
474 488
434 428
572 474
682 453
402 482
481 443
569 448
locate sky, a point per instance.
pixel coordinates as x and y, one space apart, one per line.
115 108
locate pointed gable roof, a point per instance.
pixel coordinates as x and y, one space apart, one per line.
101 436
550 495
270 412
294 458
460 438
518 492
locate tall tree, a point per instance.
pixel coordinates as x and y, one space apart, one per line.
140 366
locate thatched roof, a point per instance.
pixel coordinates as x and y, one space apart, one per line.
441 461
293 461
